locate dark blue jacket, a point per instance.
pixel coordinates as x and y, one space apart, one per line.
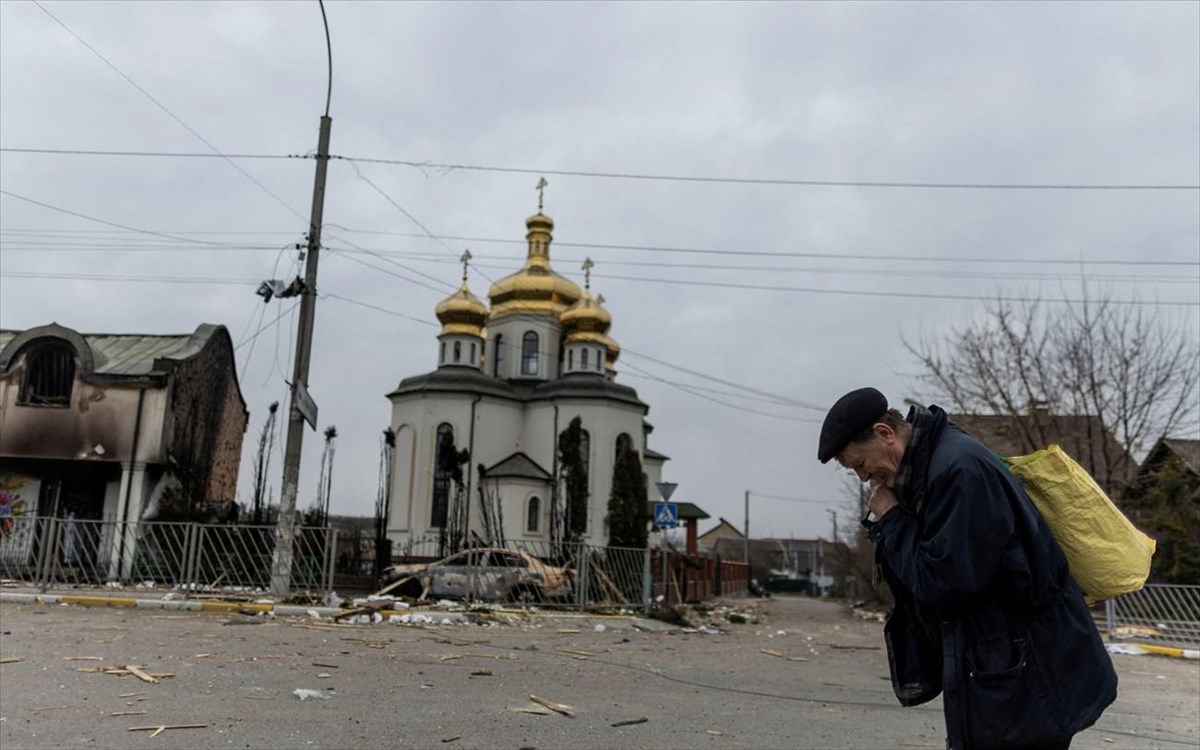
986 609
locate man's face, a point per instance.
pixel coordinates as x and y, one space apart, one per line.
877 459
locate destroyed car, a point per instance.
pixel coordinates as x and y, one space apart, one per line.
486 573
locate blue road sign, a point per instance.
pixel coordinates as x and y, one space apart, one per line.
666 515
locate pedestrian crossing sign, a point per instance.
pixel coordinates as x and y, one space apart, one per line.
666 515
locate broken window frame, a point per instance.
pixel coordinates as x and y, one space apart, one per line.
49 378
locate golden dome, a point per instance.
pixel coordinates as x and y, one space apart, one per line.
586 320
536 289
613 350
462 313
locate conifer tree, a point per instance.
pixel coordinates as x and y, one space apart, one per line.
628 517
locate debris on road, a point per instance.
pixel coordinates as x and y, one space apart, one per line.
631 722
534 709
562 708
770 653
306 693
137 672
577 653
128 713
455 738
164 727
715 732
83 658
15 659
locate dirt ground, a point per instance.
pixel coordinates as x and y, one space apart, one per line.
798 673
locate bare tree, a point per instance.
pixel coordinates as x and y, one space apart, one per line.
1130 368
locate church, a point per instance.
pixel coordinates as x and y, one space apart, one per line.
476 440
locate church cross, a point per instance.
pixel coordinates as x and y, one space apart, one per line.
587 273
541 187
466 261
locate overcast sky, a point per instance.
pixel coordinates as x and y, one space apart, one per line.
950 93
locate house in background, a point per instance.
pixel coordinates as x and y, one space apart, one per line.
706 544
1083 437
91 425
1169 476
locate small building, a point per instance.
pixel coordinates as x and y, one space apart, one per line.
95 426
706 543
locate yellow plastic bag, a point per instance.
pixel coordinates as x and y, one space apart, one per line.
1107 554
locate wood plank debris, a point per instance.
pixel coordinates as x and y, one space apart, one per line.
562 708
160 728
83 658
630 722
577 653
131 695
452 657
568 630
846 647
768 652
534 709
128 713
454 738
11 659
56 708
137 672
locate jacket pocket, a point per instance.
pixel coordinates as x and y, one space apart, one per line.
1007 699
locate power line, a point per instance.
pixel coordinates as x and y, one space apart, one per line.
447 167
171 154
130 278
698 394
785 498
901 295
450 167
105 222
872 257
169 113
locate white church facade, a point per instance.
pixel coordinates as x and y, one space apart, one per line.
476 440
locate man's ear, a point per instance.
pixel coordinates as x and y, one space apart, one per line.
884 433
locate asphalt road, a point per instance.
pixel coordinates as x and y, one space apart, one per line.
805 675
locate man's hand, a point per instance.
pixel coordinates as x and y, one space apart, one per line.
883 499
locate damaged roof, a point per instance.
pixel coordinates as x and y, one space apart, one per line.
112 353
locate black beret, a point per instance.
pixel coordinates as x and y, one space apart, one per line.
853 413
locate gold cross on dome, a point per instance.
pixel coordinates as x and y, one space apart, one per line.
466 261
587 273
541 188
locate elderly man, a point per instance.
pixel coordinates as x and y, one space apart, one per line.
986 610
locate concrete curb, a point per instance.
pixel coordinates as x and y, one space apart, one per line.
1178 653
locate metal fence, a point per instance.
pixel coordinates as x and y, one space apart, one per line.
196 558
1161 614
190 556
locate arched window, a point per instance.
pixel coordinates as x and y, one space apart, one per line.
583 359
533 515
443 359
529 353
599 360
497 355
444 462
474 362
457 351
570 359
49 375
623 442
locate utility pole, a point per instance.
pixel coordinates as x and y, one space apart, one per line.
835 533
747 531
302 407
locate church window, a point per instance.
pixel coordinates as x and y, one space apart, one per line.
599 361
444 461
443 360
529 354
533 515
474 362
497 355
570 359
583 359
623 442
50 374
457 351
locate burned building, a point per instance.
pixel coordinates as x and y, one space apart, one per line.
101 427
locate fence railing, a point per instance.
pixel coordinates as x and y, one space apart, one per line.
190 556
1161 614
195 558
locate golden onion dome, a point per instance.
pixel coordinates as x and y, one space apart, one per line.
586 320
536 289
462 313
612 352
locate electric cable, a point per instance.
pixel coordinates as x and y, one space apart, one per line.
169 113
